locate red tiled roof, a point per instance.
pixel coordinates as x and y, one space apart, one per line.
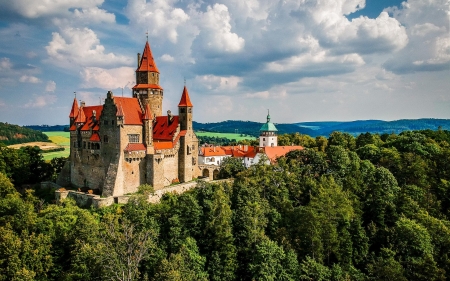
131 110
163 129
147 86
147 62
147 114
74 111
135 147
95 137
169 144
81 118
273 152
119 111
185 100
213 151
89 120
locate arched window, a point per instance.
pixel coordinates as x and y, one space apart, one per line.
105 138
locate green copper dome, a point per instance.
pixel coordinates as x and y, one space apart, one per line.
268 126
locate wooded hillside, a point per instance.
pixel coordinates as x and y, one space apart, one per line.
13 134
366 208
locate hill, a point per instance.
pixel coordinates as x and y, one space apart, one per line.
247 127
327 127
14 134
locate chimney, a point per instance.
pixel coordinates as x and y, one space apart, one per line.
94 115
83 104
246 148
169 115
139 59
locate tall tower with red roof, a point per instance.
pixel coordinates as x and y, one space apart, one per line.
188 148
147 88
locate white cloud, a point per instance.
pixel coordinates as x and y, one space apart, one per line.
40 101
35 9
160 16
427 25
5 64
215 31
51 86
108 79
167 57
94 15
80 47
29 79
212 82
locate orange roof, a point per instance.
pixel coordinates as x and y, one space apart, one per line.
213 151
147 114
119 111
95 137
81 118
273 152
147 62
89 120
185 100
74 111
168 144
147 86
130 109
135 147
163 129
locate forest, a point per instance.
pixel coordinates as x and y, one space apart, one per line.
13 134
371 207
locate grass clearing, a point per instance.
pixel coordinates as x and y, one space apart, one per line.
229 136
60 138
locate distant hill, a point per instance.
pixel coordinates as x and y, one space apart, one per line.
247 127
327 127
47 128
14 134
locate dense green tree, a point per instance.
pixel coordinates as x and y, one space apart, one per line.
230 167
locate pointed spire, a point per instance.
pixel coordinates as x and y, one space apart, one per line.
74 111
148 114
119 110
185 99
147 61
268 116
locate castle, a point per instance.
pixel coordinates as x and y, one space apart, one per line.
127 142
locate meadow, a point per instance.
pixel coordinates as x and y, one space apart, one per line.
60 138
229 136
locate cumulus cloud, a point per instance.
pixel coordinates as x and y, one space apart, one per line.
51 86
80 47
427 25
167 57
29 79
215 31
108 79
38 101
160 16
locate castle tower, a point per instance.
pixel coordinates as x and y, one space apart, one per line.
268 133
185 111
148 129
74 111
187 146
147 88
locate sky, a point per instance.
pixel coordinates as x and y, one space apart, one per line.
305 60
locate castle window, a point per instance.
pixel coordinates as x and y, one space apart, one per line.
74 144
133 138
182 110
105 138
190 110
188 149
84 145
89 145
112 122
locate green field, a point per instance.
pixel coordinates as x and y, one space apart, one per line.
229 136
62 139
